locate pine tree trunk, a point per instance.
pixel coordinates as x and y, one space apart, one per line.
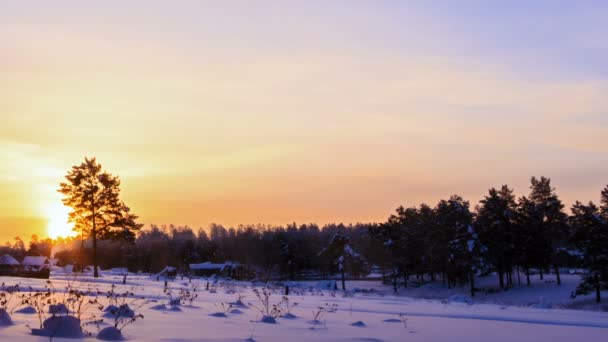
518 276
541 273
501 280
598 297
94 238
343 282
557 275
472 281
95 272
395 281
528 276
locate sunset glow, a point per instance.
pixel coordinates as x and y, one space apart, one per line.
57 216
309 111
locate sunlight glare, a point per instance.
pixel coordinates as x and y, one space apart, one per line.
57 218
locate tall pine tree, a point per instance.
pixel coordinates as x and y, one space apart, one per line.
590 238
496 228
97 211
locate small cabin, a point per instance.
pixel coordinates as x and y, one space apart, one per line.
167 273
35 263
36 267
228 269
9 265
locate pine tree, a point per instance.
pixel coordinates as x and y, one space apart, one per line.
604 203
455 225
404 236
591 240
97 211
551 221
344 257
495 226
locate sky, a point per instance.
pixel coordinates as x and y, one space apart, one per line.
298 111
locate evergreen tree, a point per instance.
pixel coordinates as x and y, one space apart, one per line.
495 226
93 195
604 203
551 222
454 221
591 239
344 258
403 238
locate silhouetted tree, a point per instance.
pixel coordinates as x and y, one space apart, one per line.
343 258
495 224
40 247
551 221
591 239
454 227
93 195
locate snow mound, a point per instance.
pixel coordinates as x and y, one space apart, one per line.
392 320
268 320
289 316
60 326
110 334
358 324
123 311
542 304
236 312
26 310
58 309
159 307
459 298
175 308
238 303
5 318
218 314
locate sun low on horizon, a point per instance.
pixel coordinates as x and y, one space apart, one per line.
57 221
273 112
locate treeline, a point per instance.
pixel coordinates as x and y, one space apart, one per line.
449 242
36 247
503 234
289 252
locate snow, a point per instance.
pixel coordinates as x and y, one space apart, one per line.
165 271
211 266
5 318
431 312
110 334
60 326
36 261
8 260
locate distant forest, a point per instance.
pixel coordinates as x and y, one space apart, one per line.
449 242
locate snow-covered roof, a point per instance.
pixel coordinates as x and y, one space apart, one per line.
34 261
8 260
165 272
211 266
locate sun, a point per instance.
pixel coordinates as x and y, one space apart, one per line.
57 221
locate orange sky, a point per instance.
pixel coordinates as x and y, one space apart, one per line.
235 113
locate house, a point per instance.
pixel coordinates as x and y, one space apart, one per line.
35 263
168 272
227 269
9 265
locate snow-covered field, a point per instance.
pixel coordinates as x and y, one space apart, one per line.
526 314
